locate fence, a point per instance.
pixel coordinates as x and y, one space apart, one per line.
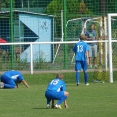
61 59
28 27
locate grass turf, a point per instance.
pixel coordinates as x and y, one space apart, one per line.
95 100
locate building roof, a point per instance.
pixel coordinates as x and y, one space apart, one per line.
4 13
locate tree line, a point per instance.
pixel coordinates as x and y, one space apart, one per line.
94 5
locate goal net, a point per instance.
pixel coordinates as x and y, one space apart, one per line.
58 55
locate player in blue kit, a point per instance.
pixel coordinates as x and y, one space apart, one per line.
56 90
81 58
11 78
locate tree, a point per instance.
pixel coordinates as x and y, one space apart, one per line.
74 10
5 3
55 7
0 5
31 3
83 8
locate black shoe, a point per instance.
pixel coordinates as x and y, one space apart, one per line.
77 84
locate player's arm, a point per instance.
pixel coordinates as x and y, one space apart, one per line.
90 39
16 85
65 104
86 37
87 56
25 83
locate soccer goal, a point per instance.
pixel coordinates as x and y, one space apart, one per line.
33 56
112 38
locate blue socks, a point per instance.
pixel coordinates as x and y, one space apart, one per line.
77 77
86 77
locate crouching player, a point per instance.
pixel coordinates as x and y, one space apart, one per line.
56 90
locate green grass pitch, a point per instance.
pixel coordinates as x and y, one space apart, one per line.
95 100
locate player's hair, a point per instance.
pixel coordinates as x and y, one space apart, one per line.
60 76
82 37
19 81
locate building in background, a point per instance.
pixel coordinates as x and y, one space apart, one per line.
29 27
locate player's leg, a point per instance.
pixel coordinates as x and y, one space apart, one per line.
61 100
77 69
90 56
84 66
95 55
61 97
9 86
8 82
86 77
48 102
48 97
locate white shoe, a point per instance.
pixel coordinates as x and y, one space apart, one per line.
1 85
48 106
58 106
87 84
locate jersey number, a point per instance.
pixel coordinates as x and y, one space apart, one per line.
79 48
54 82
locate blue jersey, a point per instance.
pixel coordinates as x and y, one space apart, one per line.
14 75
80 49
56 85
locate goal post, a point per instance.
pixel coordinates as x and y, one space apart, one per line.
110 15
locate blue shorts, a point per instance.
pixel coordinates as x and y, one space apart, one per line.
54 95
8 82
81 64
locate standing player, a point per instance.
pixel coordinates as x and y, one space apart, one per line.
11 78
56 90
81 58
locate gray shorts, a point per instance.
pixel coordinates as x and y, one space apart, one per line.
93 50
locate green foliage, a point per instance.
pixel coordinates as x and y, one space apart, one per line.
33 3
54 8
23 64
74 9
92 5
96 6
101 75
83 9
5 3
39 63
111 6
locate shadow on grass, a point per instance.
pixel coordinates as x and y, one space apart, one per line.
40 108
44 108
